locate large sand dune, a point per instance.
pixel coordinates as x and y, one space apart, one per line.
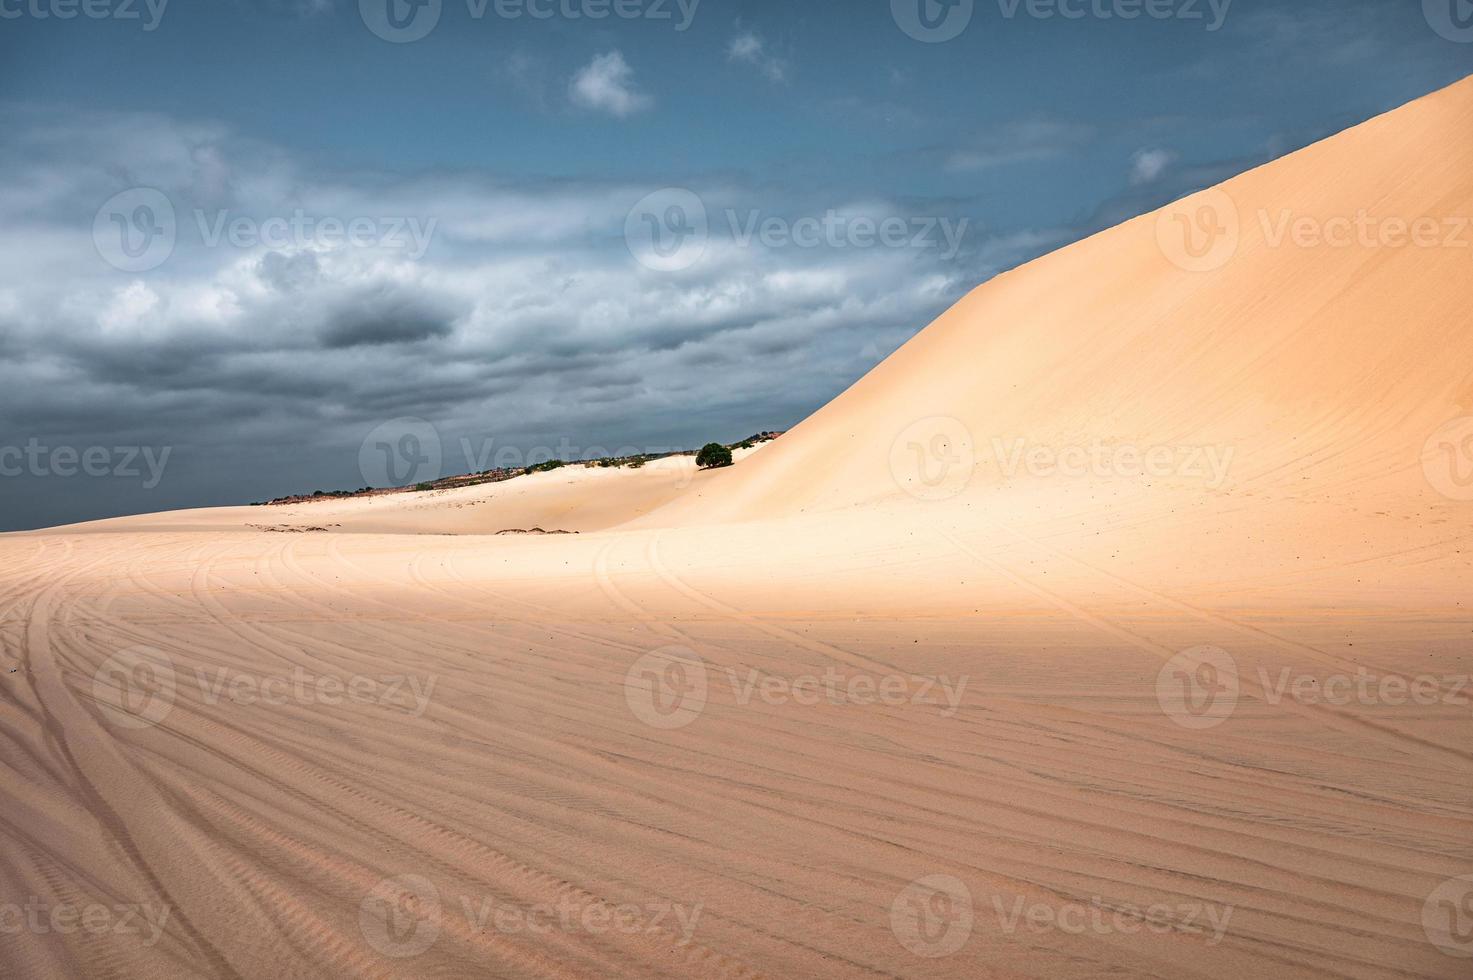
872 702
1315 374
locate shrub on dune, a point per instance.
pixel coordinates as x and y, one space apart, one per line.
713 455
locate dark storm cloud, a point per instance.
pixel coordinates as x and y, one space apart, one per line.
383 315
288 273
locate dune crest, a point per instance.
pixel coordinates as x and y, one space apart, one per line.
1289 345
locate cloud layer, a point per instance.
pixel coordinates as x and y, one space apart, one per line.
271 337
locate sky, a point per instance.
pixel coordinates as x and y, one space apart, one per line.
251 243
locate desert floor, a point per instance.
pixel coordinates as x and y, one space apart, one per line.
502 753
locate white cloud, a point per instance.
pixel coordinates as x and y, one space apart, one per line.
128 307
1149 163
749 48
606 84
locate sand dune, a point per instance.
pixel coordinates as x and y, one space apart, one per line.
1295 387
574 498
872 702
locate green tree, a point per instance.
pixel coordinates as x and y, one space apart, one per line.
712 455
